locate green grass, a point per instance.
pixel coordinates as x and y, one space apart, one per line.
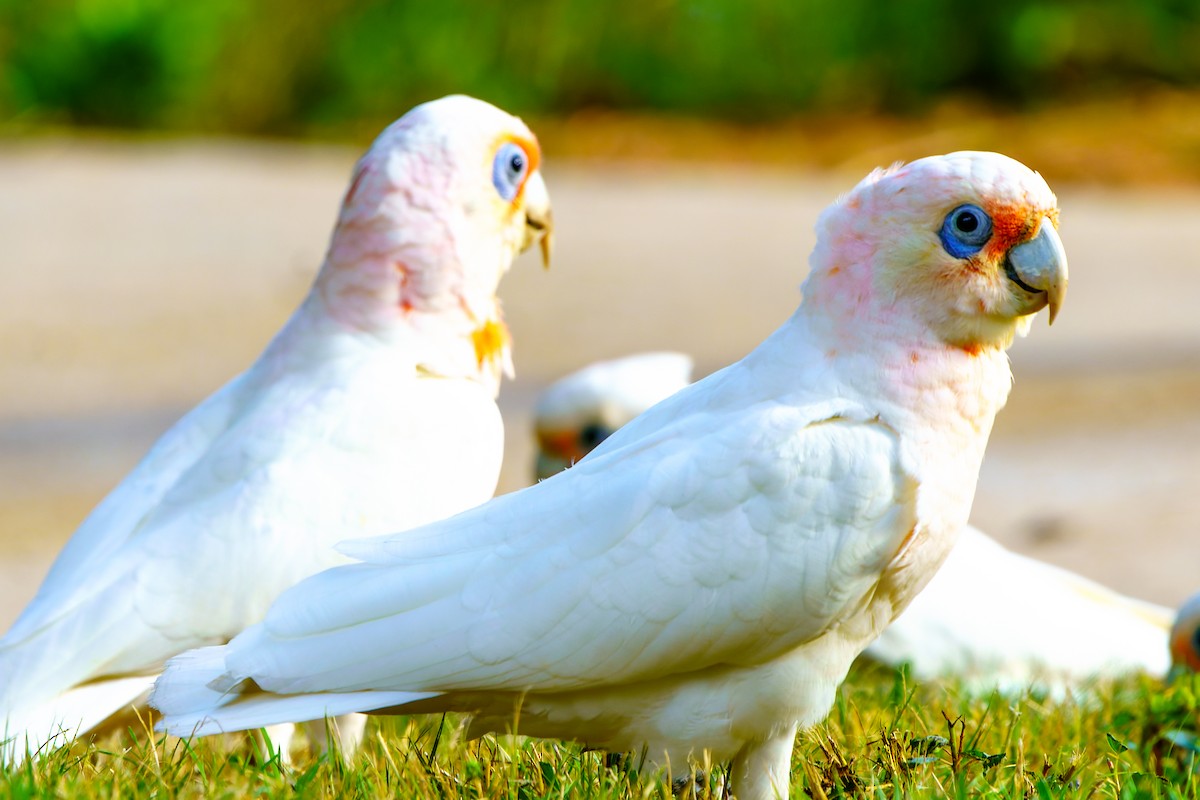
884 738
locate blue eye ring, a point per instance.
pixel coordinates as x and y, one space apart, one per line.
965 230
509 169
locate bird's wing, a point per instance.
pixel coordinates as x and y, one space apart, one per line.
258 508
121 513
61 639
101 616
724 538
282 492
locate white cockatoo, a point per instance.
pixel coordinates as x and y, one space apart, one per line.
990 616
373 410
704 579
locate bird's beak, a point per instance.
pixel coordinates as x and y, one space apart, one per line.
539 221
1040 265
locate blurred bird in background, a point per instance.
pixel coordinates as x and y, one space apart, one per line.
583 409
373 410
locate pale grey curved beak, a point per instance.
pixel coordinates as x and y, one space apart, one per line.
1040 265
539 220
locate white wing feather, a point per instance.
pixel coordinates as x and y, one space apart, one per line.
243 497
122 511
991 616
604 574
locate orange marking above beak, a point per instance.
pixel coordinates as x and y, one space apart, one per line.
1011 225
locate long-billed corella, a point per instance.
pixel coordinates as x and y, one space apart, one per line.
703 580
373 410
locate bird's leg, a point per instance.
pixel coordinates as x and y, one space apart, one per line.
273 740
762 770
342 734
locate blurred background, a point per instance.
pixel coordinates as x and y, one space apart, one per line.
169 173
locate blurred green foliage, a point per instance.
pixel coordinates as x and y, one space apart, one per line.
289 66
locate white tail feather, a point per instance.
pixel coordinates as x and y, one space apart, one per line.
191 706
260 710
187 688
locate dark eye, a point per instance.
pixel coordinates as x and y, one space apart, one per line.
965 231
508 169
593 435
966 221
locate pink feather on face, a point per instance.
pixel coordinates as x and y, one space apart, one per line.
881 264
423 237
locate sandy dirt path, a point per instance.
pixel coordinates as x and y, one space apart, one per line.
136 278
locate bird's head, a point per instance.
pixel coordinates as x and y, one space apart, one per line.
578 412
437 209
1184 641
965 245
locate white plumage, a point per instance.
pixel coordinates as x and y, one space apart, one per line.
372 410
992 617
704 578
